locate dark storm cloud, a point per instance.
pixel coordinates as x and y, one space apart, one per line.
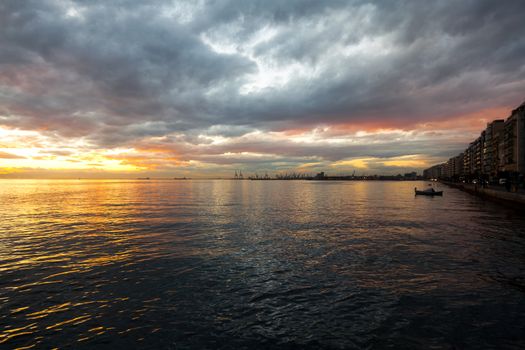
445 58
119 71
127 65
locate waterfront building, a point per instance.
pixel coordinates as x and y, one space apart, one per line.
434 172
446 173
473 158
514 142
468 161
479 144
458 167
491 149
499 152
453 169
449 169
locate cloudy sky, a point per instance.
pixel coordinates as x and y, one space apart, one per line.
201 88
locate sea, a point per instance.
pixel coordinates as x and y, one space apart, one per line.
224 264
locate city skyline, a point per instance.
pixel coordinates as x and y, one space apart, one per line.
498 153
197 89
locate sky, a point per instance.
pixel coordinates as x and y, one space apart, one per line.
203 88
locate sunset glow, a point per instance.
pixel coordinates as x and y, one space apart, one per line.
262 174
192 92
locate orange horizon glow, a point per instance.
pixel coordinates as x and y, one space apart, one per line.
34 152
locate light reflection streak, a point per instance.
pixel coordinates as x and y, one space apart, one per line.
74 321
87 261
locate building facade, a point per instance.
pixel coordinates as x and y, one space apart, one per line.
499 152
491 149
514 142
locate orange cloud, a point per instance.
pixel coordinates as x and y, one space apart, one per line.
406 163
475 121
353 163
5 155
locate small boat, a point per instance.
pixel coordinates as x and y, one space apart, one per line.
428 192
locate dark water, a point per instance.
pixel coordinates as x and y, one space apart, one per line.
268 264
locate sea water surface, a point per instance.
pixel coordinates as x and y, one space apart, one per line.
123 264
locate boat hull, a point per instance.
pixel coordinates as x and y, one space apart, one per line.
427 193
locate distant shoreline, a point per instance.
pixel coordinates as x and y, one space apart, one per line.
213 178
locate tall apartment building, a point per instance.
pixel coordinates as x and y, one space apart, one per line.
499 152
479 144
491 149
458 166
514 142
468 160
434 172
453 169
448 169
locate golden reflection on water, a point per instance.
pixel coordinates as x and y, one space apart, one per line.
84 260
55 230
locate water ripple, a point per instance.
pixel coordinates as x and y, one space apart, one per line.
240 264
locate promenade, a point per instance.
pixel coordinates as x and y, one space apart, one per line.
494 193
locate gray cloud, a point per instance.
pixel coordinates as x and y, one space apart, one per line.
116 72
